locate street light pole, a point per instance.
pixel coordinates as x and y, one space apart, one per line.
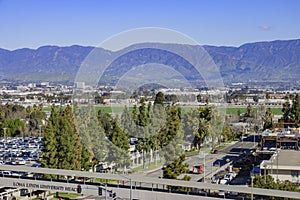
204 169
203 165
277 155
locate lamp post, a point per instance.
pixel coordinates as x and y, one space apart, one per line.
277 155
203 164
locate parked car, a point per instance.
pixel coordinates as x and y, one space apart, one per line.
228 177
6 173
224 181
221 193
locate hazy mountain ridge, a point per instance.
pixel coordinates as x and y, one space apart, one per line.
262 60
276 60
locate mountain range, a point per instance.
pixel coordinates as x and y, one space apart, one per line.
260 61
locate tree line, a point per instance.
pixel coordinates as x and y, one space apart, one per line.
79 137
16 120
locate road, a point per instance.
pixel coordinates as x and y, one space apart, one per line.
215 162
246 144
137 191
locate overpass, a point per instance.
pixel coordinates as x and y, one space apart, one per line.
139 183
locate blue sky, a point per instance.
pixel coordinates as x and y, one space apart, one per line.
33 23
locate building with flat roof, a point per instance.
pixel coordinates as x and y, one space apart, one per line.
284 138
284 164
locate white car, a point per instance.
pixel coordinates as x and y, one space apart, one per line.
233 174
221 193
21 162
223 181
228 177
6 173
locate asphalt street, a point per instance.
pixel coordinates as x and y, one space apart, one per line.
214 162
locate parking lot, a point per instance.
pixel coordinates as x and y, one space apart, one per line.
21 151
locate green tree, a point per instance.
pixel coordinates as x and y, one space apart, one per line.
176 168
228 134
295 110
92 135
62 147
119 153
49 152
36 116
249 111
143 119
191 127
286 109
159 98
255 99
268 119
14 127
268 182
170 137
127 123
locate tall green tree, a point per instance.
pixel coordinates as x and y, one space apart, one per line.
62 147
159 98
119 153
286 109
268 119
127 123
92 135
295 110
143 117
170 137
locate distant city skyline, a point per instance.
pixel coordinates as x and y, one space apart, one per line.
34 23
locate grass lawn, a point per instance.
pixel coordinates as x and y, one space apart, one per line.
191 153
222 146
64 195
150 167
234 111
114 109
185 109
